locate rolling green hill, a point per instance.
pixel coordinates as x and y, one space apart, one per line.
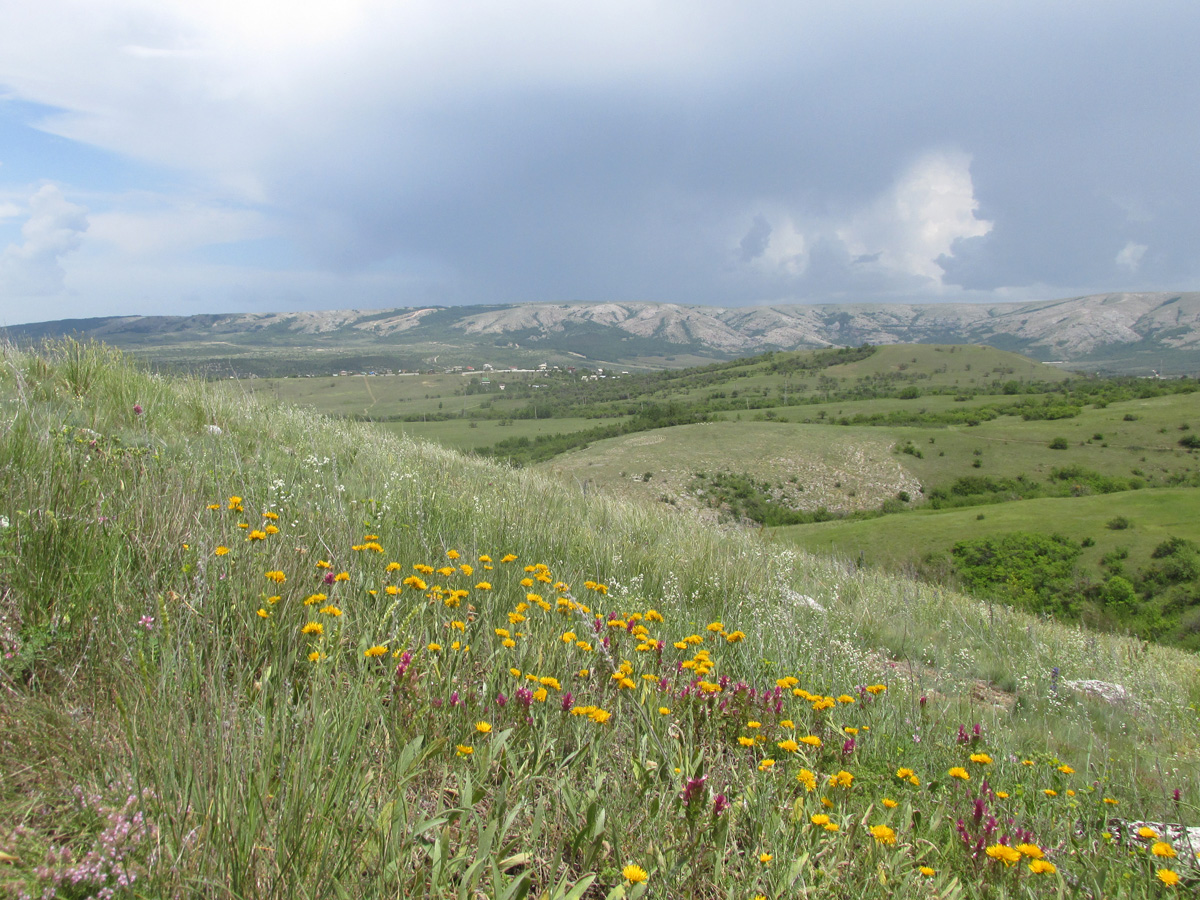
253 650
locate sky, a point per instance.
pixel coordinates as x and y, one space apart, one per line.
171 157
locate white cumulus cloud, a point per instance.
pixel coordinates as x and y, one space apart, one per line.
54 228
900 235
1130 256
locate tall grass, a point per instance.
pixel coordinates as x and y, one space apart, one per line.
170 729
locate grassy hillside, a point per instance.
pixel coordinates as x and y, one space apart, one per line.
252 652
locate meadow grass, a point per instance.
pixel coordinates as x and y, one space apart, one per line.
299 658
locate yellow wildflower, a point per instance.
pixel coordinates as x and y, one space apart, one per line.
1007 855
634 874
883 834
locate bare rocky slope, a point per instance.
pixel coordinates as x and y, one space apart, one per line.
1120 331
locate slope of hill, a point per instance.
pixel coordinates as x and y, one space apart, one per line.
1132 332
249 647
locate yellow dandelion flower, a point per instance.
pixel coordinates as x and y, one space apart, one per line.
788 746
315 598
634 874
765 858
808 779
434 647
342 576
213 506
786 723
330 610
263 613
1033 851
316 656
324 564
1146 833
904 774
483 727
1042 867
256 535
981 758
1162 848
746 741
1050 792
235 503
1110 801
927 871
271 529
273 600
377 650
313 628
959 772
1066 770
1168 877
820 819
766 765
811 739
889 803
221 551
464 749
1001 795
850 730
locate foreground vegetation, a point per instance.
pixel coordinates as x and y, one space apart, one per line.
250 652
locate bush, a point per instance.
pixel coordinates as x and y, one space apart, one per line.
1118 591
1059 443
1118 523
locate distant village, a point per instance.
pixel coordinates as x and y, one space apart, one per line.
485 372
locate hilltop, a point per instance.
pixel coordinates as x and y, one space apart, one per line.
1122 332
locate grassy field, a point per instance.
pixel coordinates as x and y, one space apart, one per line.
790 437
836 468
1155 514
451 433
250 652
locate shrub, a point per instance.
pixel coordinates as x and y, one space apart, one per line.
1118 523
1059 443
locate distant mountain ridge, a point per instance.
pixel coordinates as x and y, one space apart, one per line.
1118 331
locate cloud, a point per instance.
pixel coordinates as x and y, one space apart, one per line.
55 227
756 241
901 238
683 150
1130 256
143 224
